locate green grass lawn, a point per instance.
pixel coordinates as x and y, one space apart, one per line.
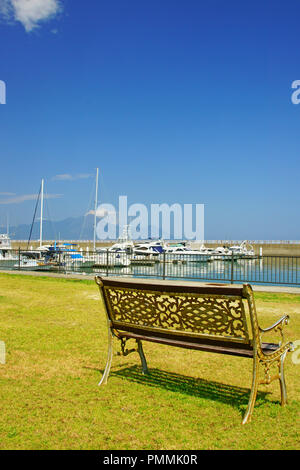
56 340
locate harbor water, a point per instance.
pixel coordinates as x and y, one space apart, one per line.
272 270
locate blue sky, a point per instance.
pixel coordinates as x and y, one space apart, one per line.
174 101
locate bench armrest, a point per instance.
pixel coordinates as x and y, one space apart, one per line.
277 327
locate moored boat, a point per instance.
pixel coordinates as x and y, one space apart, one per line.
184 253
7 256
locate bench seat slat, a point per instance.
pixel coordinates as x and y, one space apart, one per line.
230 348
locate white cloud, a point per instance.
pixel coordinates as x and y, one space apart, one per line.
100 212
68 177
30 12
27 197
64 177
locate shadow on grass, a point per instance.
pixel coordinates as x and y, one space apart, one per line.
236 396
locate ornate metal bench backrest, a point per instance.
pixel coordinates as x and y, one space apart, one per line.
216 313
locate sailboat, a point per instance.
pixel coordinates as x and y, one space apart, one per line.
115 256
35 260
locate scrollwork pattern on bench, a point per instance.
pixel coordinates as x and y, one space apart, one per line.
213 315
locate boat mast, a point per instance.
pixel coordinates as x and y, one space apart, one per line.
32 223
41 220
96 202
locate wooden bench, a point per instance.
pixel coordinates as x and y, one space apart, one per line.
215 318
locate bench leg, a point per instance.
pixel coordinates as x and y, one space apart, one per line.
253 393
142 356
109 359
282 380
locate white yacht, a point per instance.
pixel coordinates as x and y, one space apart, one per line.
184 253
124 243
150 248
244 250
118 254
221 253
8 256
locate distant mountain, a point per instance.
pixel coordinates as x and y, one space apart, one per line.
72 228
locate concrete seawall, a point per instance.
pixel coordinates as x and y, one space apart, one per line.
282 249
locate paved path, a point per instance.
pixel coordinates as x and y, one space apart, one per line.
256 288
